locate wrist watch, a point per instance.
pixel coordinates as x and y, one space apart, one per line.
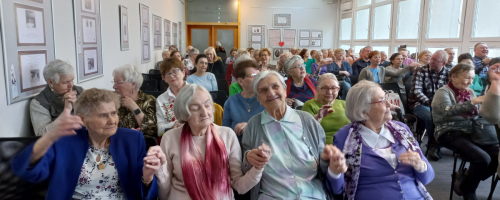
137 111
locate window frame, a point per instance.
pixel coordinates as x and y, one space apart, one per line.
372 21
472 9
424 31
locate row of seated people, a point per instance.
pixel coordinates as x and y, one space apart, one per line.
138 111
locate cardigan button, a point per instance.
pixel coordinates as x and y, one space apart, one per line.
395 172
401 192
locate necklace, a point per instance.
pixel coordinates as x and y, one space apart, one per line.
249 106
100 166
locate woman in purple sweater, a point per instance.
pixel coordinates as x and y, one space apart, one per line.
390 165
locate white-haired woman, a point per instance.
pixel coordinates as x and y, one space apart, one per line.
326 109
189 62
299 86
203 159
215 65
98 161
300 159
281 63
138 109
59 93
320 64
382 159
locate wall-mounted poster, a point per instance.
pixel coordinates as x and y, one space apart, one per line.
282 20
257 36
180 38
174 31
124 36
27 46
145 34
157 32
89 41
274 37
168 37
304 42
30 25
289 36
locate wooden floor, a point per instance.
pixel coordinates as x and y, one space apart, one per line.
439 188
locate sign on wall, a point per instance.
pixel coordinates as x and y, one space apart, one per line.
257 36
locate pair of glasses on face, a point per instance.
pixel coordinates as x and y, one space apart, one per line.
251 75
327 89
435 60
173 72
384 100
298 67
117 82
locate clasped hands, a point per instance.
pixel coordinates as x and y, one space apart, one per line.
259 157
154 159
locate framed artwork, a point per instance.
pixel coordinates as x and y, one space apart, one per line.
38 1
31 64
145 34
168 29
30 25
157 32
274 37
276 53
256 30
174 31
257 36
304 34
304 43
124 34
282 20
144 10
316 43
88 6
289 36
316 34
89 62
145 52
180 37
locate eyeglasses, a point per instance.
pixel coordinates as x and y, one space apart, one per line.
333 89
117 82
251 75
435 60
298 67
173 72
384 100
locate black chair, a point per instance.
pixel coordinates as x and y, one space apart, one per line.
222 85
145 76
163 86
154 71
220 76
219 97
494 182
11 186
158 79
150 142
354 80
154 93
149 85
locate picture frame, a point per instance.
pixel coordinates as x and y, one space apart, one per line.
304 42
256 35
145 33
144 13
90 58
31 64
276 53
30 25
88 6
304 34
256 30
38 1
89 30
157 32
316 34
124 32
174 31
167 28
282 20
274 37
316 43
146 52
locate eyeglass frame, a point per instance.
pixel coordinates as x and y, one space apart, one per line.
384 100
171 73
298 66
334 89
118 82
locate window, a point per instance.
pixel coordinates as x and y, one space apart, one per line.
378 1
382 22
381 48
444 19
486 10
345 46
408 19
357 49
492 52
364 2
434 49
410 49
346 26
362 24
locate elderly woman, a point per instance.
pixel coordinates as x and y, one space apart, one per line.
236 88
304 54
424 57
189 62
215 65
300 160
477 84
396 63
256 55
239 108
171 72
453 107
299 86
319 67
342 69
377 73
281 63
250 50
59 93
383 57
265 57
165 54
173 48
233 54
99 161
201 76
326 109
176 54
138 109
382 159
203 159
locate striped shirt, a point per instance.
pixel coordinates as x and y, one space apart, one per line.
425 83
303 93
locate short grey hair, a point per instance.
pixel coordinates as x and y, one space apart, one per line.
317 53
130 74
218 43
444 53
326 76
184 98
240 59
289 63
358 100
262 75
194 51
55 69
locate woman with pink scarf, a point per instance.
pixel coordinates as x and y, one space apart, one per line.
203 159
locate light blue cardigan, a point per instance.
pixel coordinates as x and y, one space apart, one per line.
63 162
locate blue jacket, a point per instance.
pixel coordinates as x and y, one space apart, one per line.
335 69
64 159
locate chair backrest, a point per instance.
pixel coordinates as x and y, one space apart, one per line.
390 86
158 79
354 80
163 86
11 186
150 142
220 76
218 114
154 93
219 97
222 85
154 71
145 76
149 85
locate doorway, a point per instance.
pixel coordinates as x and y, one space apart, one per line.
203 36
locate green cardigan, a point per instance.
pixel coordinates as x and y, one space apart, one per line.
234 89
308 64
332 122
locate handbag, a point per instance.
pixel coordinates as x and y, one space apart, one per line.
483 132
340 77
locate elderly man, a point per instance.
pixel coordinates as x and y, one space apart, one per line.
481 60
164 54
188 49
451 57
426 81
406 59
363 62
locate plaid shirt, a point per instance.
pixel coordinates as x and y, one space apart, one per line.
422 91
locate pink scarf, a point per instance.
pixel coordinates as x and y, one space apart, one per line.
463 96
209 179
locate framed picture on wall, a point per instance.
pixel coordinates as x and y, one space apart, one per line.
88 6
144 14
31 64
30 25
167 27
276 53
124 34
304 43
145 34
282 20
89 30
39 1
90 61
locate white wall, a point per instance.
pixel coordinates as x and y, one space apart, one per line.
15 120
306 14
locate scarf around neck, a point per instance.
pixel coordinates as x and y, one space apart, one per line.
463 96
205 179
353 148
307 81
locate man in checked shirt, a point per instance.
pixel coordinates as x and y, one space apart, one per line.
425 82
